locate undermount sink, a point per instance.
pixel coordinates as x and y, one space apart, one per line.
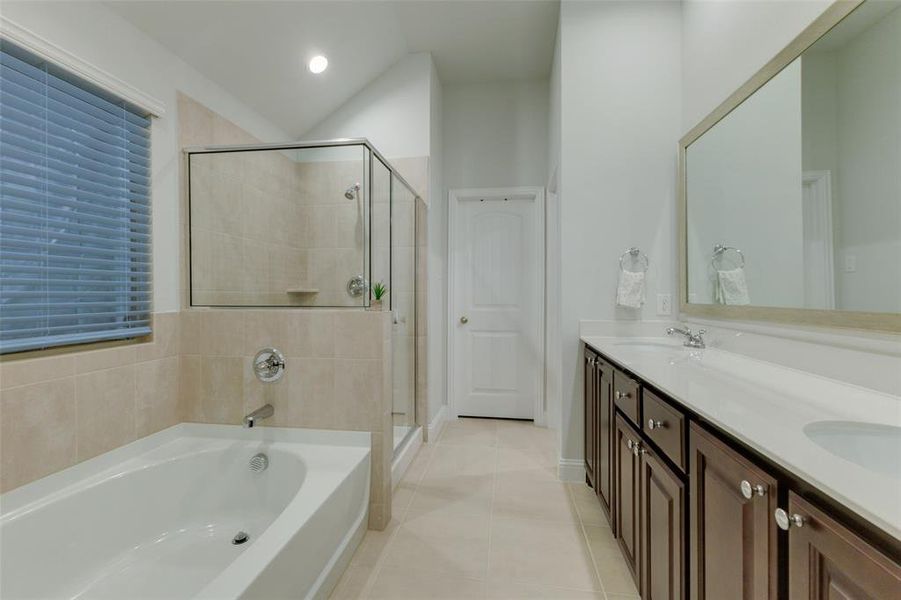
872 446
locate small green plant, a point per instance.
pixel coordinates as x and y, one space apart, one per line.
379 289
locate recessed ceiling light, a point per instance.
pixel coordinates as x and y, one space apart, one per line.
318 64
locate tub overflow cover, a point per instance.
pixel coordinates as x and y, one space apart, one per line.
240 538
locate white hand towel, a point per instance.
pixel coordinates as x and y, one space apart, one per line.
630 289
732 287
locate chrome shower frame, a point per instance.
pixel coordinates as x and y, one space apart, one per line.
364 187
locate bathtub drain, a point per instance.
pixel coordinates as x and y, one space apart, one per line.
240 538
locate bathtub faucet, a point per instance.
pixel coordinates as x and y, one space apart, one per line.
264 412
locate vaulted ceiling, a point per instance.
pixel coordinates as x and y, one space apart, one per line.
258 49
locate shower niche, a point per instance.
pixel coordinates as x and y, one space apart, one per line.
299 225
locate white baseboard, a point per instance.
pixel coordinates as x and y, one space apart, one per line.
437 424
571 469
402 461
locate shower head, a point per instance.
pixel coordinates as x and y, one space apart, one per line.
351 192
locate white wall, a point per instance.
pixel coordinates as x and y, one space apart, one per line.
725 43
620 118
437 256
392 111
553 385
495 134
93 33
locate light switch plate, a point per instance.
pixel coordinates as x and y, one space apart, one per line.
850 263
664 304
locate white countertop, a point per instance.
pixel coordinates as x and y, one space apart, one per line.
767 406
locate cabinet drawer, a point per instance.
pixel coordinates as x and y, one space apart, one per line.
626 396
664 425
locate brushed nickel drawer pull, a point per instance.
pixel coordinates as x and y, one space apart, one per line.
749 491
786 521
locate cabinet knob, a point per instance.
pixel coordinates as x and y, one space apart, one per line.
786 521
629 444
637 449
749 491
620 395
464 319
652 424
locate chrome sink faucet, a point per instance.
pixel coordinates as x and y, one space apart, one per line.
264 412
692 340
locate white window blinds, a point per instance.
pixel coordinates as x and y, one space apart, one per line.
74 209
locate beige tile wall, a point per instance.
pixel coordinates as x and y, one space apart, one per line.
338 375
59 409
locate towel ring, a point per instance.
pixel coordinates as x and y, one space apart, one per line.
720 249
636 254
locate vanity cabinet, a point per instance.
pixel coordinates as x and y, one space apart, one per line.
694 511
599 434
627 502
733 536
590 366
605 424
663 506
650 509
827 561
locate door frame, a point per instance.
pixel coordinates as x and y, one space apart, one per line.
820 184
454 197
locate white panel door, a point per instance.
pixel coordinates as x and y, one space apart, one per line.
495 308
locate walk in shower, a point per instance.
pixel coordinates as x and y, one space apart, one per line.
307 225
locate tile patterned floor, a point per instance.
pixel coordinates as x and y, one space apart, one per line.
480 514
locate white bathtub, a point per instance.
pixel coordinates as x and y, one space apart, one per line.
156 518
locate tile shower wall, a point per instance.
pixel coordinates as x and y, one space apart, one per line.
58 409
271 228
338 375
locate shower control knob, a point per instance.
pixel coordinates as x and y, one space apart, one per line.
464 319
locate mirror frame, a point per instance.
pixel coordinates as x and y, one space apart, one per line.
890 322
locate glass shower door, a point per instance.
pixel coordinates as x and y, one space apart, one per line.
403 281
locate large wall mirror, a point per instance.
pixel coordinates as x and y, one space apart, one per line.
790 199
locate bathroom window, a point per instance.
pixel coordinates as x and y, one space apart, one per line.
75 248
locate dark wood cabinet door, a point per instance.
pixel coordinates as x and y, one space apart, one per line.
826 561
590 393
628 495
605 434
732 538
662 530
